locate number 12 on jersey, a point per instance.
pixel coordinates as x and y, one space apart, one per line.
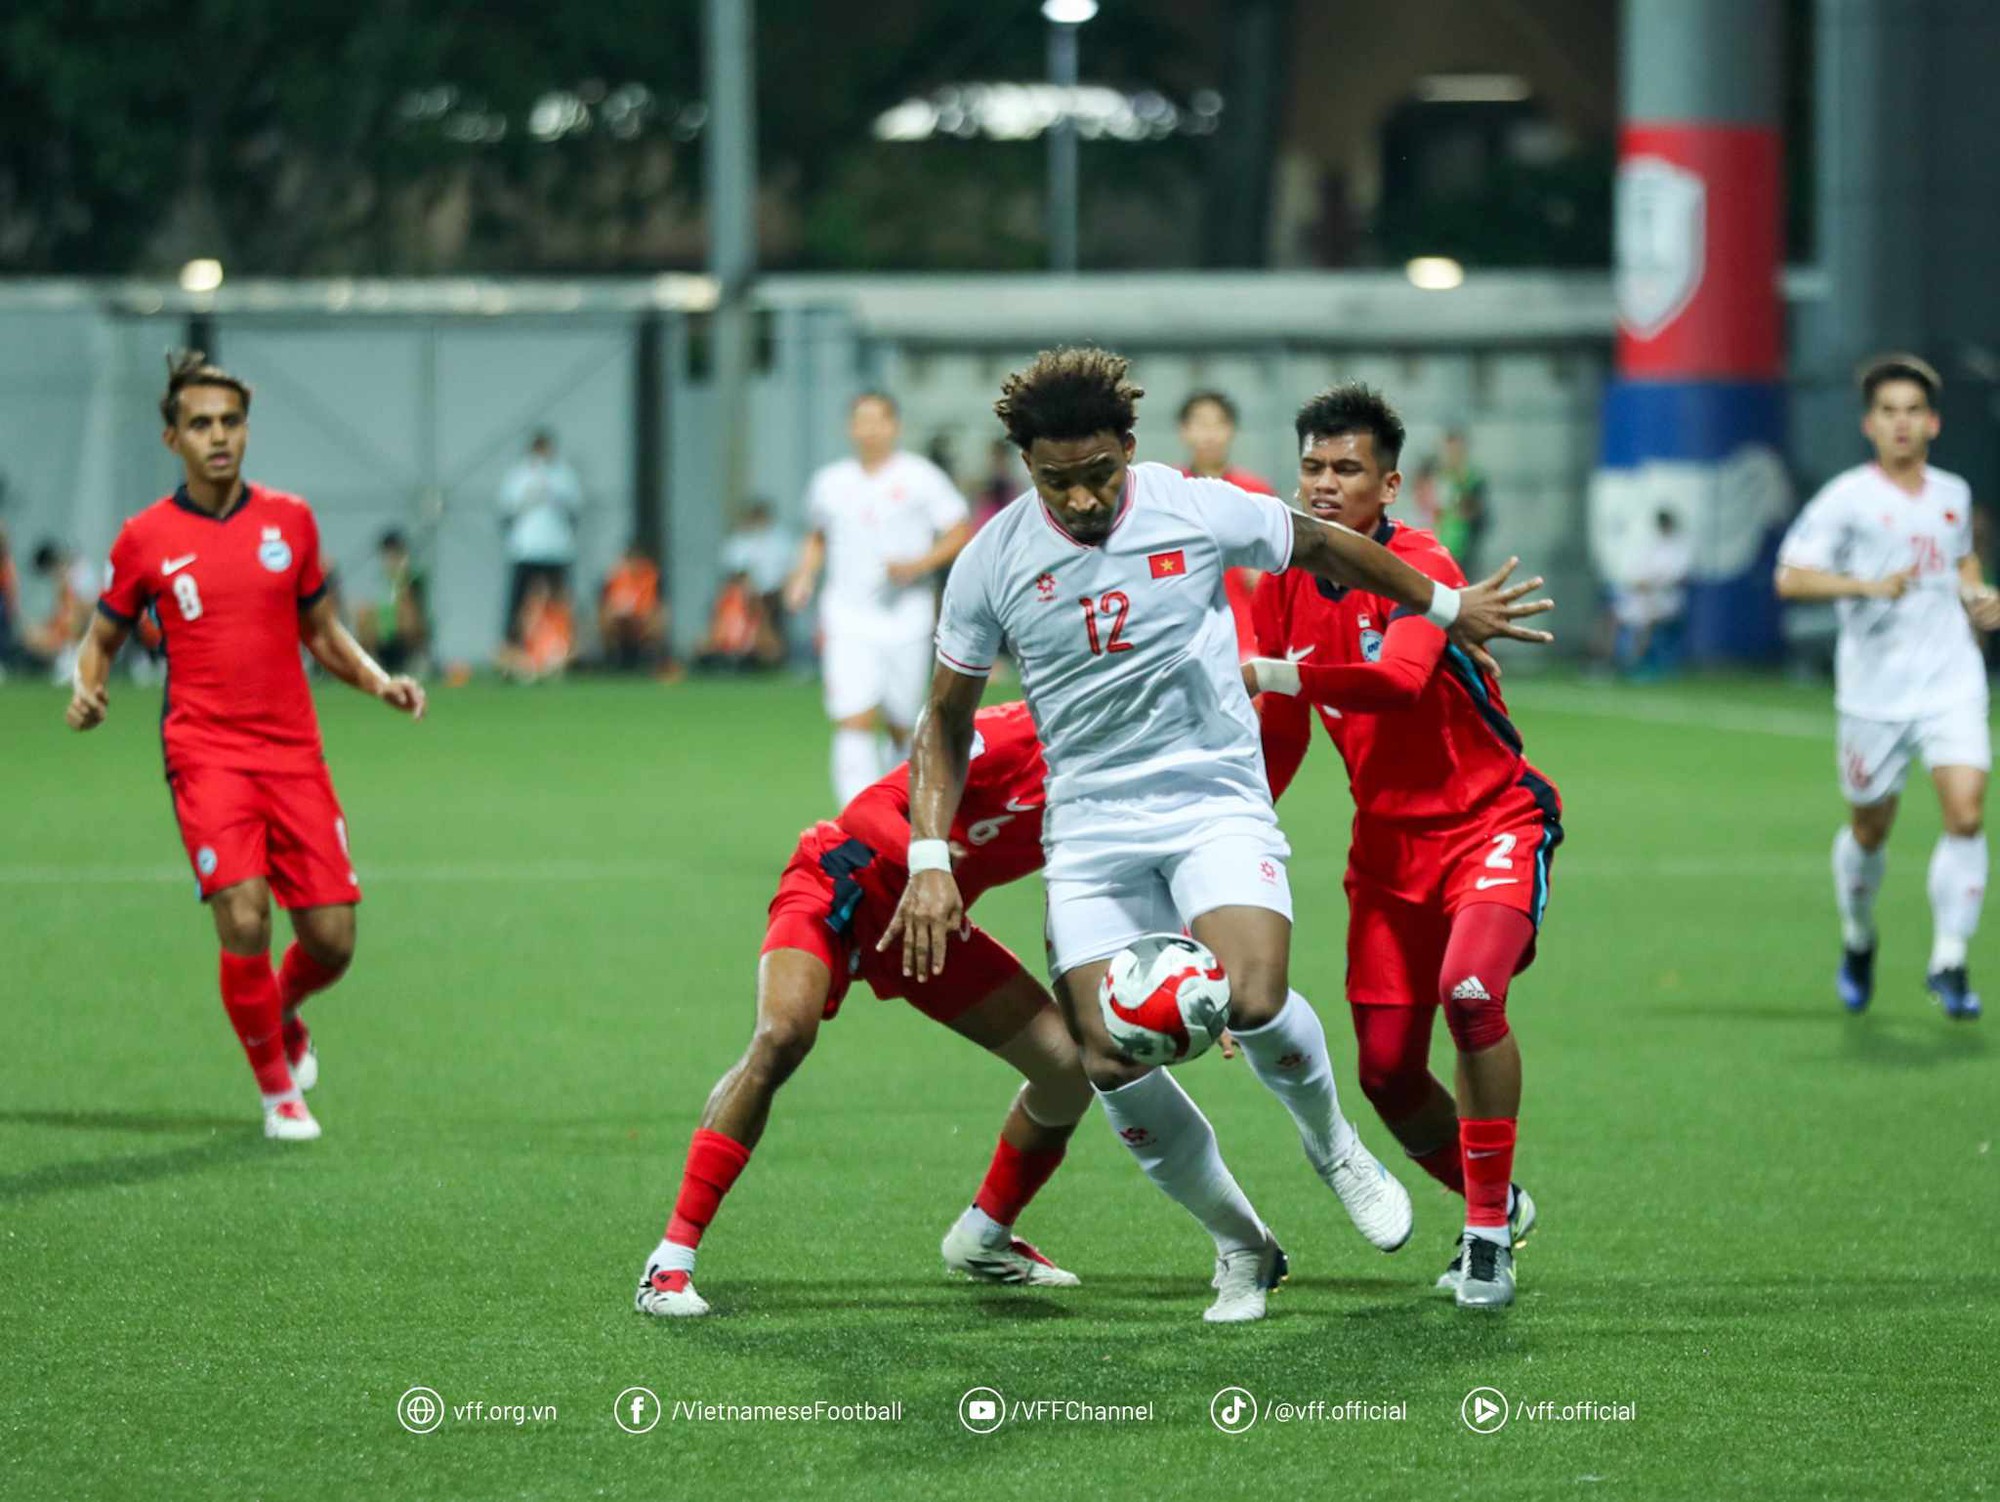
1116 603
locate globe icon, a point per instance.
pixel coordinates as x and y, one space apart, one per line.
421 1410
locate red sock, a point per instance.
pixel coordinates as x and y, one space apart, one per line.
1445 1164
1489 1169
1013 1178
250 997
299 977
713 1163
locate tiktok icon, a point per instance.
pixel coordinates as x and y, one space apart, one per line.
1233 1410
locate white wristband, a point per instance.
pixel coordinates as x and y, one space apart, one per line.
929 855
1444 606
1275 676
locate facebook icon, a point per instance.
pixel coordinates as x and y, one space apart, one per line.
637 1410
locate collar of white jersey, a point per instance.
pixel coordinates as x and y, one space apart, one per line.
1124 510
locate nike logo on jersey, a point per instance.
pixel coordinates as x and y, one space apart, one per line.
175 565
1495 881
1298 654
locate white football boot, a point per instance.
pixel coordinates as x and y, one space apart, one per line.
1014 1261
305 1068
1520 1222
669 1293
1243 1282
290 1121
1375 1199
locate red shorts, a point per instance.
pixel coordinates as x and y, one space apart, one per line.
1406 883
832 904
285 827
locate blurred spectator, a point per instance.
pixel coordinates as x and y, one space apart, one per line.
1423 495
1208 432
1003 481
1651 603
397 631
1461 502
10 607
544 634
72 587
632 618
540 498
762 551
741 635
942 451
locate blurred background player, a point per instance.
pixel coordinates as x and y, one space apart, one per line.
1448 867
1159 810
834 900
540 501
882 523
396 630
236 572
1208 432
1891 542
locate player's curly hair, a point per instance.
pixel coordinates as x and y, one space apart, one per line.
1883 369
190 367
1354 407
1068 393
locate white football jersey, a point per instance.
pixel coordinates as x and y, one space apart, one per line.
1127 648
1908 658
870 521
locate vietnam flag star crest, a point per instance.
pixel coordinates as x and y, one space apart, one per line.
1168 565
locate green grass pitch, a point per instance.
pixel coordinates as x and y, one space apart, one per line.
1767 1226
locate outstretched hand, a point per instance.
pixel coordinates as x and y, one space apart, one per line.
1491 608
406 694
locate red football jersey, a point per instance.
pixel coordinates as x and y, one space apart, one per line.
229 590
997 836
1425 735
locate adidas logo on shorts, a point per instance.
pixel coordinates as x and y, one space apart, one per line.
1470 989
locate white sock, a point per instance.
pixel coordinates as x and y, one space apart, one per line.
672 1256
1857 877
282 1096
1176 1147
989 1231
1498 1235
1958 886
1288 1054
856 762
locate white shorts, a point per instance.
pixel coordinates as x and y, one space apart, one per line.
1101 899
1875 754
869 670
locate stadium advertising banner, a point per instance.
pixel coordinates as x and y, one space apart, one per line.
1694 422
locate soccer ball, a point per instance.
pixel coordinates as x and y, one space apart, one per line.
1165 999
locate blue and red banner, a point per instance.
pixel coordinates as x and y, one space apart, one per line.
1694 422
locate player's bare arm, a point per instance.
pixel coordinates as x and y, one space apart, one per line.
805 574
89 701
1485 610
906 571
1814 584
932 909
341 655
1981 600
